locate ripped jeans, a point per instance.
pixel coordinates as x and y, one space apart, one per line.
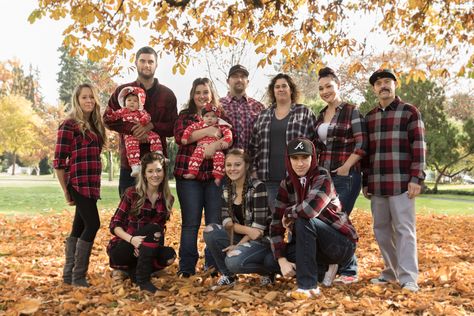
246 258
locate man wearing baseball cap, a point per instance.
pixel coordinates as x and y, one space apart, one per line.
307 206
392 178
240 109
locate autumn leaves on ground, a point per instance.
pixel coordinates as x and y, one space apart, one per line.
31 259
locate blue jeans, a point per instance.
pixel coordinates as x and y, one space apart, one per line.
245 259
125 180
348 189
193 196
272 192
318 244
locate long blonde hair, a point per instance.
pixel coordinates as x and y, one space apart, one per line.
141 186
95 123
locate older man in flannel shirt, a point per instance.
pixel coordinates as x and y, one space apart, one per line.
240 109
393 173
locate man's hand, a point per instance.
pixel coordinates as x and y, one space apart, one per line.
288 269
210 150
139 131
288 222
414 189
365 191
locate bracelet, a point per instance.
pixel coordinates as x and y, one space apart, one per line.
131 239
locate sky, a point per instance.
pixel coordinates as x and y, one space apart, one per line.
37 44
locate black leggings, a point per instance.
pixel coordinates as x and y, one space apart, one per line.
86 219
122 254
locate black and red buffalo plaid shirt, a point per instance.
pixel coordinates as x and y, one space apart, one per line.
160 103
397 149
79 155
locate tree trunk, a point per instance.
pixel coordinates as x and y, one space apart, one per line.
111 165
14 163
438 179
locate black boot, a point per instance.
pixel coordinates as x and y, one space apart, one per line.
144 268
70 250
81 263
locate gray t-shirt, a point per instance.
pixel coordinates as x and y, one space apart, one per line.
277 148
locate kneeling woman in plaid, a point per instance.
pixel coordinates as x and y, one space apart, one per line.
78 166
139 224
308 207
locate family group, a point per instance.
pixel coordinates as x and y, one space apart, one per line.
276 184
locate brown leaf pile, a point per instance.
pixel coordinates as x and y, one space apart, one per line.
32 256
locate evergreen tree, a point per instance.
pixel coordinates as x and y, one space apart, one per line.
70 75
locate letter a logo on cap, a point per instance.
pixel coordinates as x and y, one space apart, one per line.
300 146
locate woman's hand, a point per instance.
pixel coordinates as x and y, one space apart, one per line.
213 131
230 248
136 241
68 198
254 233
288 269
341 171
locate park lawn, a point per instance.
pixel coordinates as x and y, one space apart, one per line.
434 204
43 195
34 198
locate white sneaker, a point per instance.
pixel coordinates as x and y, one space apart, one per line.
330 275
301 294
135 170
410 286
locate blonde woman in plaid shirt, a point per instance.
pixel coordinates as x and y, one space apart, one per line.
275 127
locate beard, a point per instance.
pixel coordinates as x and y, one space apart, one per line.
146 76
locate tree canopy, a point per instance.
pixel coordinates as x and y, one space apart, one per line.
298 31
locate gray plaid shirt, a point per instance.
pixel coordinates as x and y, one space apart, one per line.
302 123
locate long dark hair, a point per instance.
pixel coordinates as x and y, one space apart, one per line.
141 186
191 106
294 90
328 72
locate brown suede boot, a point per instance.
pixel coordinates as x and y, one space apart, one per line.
81 263
70 250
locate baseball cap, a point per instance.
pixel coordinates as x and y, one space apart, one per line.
382 73
237 68
300 146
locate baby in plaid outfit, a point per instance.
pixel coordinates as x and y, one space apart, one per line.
210 117
132 99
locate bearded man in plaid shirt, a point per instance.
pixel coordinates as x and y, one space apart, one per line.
393 174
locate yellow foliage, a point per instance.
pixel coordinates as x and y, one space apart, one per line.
293 27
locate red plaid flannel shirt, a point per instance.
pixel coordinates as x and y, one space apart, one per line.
79 155
242 114
347 134
397 149
321 201
160 104
131 223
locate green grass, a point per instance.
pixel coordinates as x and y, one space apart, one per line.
34 195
